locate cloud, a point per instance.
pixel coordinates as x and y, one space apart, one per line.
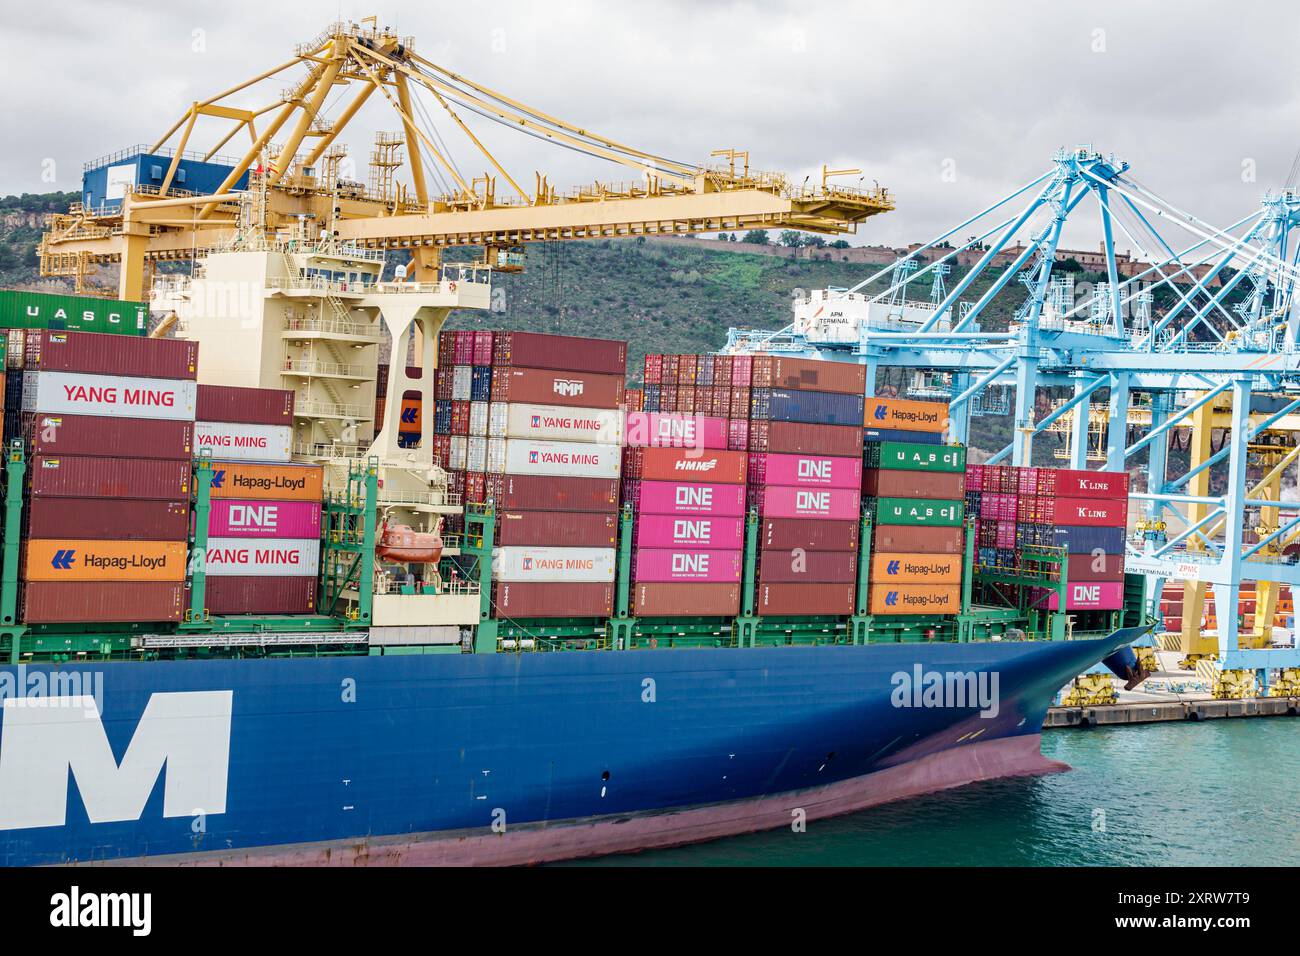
1186 92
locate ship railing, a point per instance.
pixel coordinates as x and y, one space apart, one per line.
317 285
140 149
334 327
314 367
312 407
457 586
329 450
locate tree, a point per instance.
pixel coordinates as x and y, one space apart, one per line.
840 244
756 236
817 242
724 237
790 239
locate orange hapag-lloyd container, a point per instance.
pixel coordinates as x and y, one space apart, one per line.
915 568
279 482
915 599
76 560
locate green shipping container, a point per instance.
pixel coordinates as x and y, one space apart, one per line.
72 313
919 511
910 456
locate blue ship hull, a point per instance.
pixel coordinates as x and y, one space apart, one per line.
498 758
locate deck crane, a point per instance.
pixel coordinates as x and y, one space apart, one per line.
155 214
1215 354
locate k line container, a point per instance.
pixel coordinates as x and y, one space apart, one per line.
558 423
1091 513
795 438
74 477
569 389
912 456
247 594
683 564
690 464
1091 484
282 482
102 602
796 600
817 376
1088 596
230 518
519 600
904 539
47 351
539 350
73 559
243 442
579 529
905 415
74 393
918 511
97 436
1101 567
685 600
252 406
815 471
700 531
104 519
281 557
782 566
553 565
914 599
691 498
913 484
675 430
915 568
834 504
538 492
524 456
812 534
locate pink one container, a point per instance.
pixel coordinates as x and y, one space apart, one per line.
232 518
690 498
687 564
817 471
1090 596
674 430
834 504
698 531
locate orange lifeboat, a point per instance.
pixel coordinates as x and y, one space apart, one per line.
399 543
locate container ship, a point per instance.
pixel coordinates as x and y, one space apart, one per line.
271 595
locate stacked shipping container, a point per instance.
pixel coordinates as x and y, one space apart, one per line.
109 422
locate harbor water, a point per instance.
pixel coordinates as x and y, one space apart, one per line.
1156 795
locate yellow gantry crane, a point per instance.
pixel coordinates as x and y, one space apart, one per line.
298 179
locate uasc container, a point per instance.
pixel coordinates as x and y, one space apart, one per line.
919 511
914 456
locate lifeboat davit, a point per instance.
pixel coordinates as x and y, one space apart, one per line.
399 543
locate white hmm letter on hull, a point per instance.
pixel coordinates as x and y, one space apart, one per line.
189 732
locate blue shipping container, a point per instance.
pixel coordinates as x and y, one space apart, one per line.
1077 539
811 408
442 418
896 434
480 384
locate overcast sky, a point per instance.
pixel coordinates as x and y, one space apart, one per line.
950 104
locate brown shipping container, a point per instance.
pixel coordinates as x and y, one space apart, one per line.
918 539
568 352
572 529
893 483
92 352
94 436
692 464
686 600
803 599
248 406
585 599
546 387
102 602
781 566
813 534
253 594
542 492
75 477
798 438
816 376
1100 567
108 519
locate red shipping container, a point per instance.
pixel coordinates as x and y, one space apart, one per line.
541 492
780 566
673 464
652 373
1091 484
475 487
811 534
793 600
742 370
96 436
668 599
137 357
738 434
1091 512
565 352
73 477
917 539
572 529
248 406
581 599
818 376
686 399
252 594
842 441
892 483
686 368
483 340
974 477
1101 567
102 602
546 387
108 519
